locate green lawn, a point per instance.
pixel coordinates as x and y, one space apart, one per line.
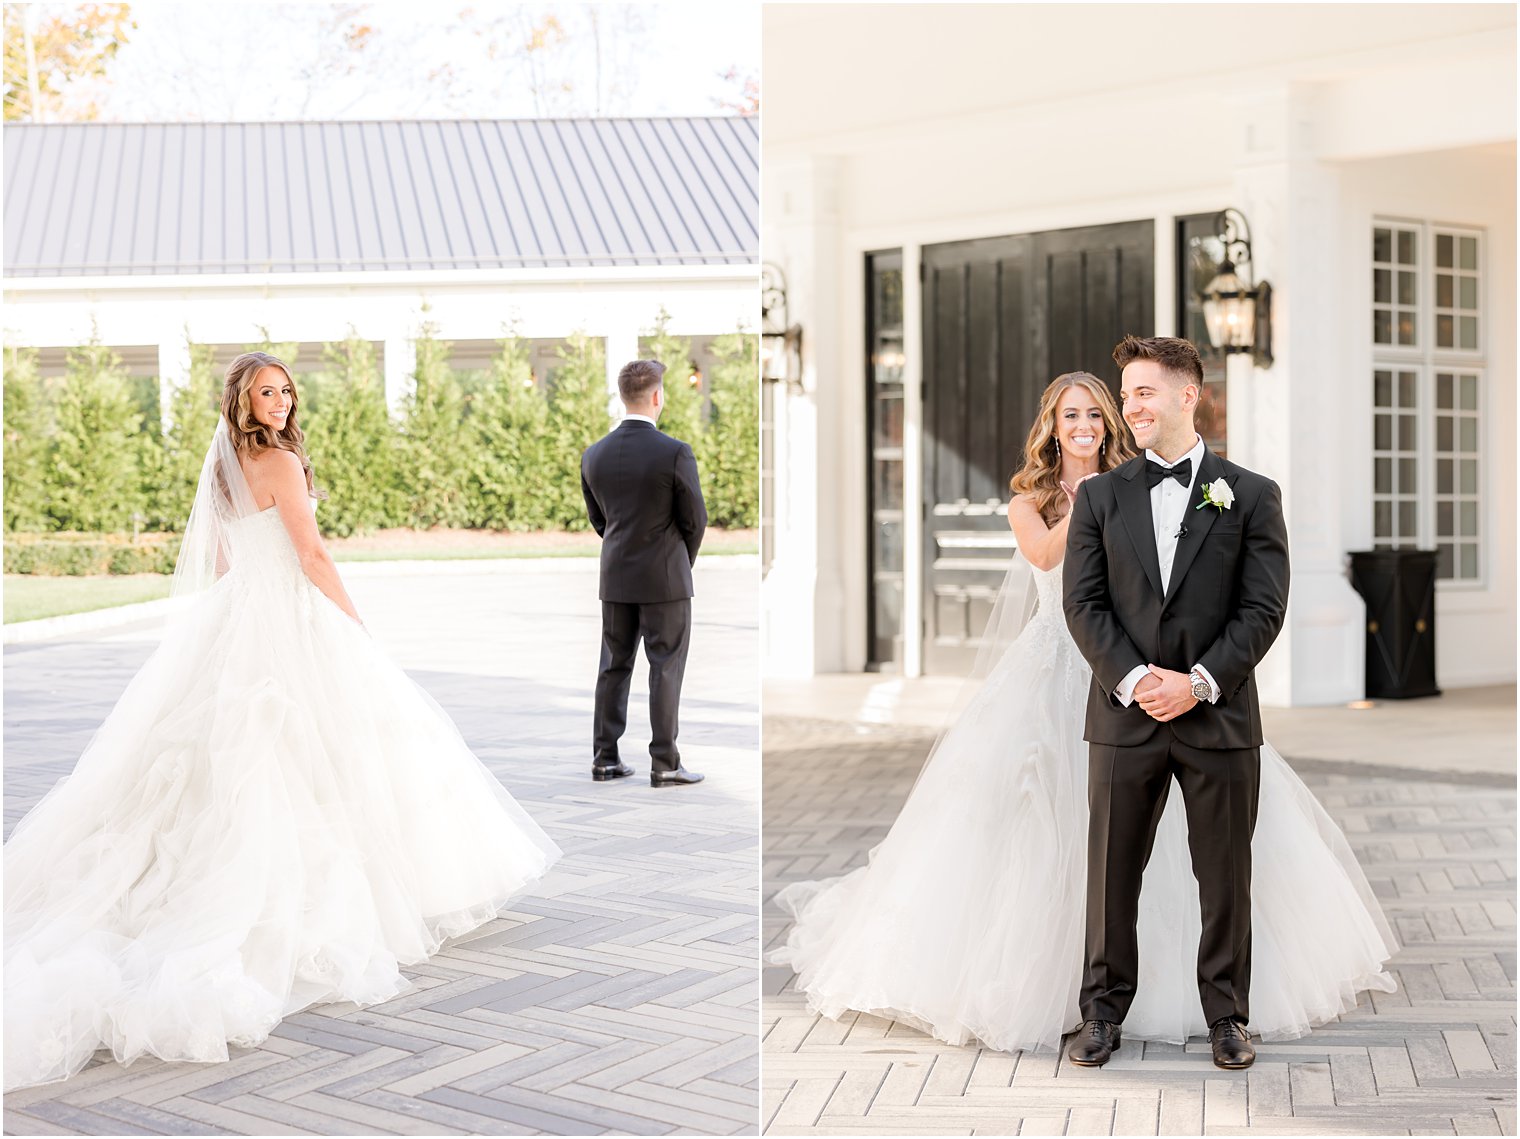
29 597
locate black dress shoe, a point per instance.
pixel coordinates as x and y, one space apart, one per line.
676 778
601 772
1231 1043
1094 1043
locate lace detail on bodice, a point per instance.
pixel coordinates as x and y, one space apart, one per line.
262 552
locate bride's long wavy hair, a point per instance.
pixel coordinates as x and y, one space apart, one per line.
1040 475
249 436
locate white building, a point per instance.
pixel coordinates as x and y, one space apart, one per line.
967 200
217 233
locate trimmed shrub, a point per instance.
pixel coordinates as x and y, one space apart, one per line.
194 410
682 416
351 442
74 555
509 484
578 417
728 451
26 442
434 446
94 477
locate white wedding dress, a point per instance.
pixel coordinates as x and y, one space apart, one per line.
272 816
967 922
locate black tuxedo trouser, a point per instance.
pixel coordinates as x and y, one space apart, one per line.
1126 792
665 629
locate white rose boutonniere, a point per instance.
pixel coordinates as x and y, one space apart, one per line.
1217 494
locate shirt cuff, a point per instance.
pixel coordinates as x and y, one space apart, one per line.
1126 690
1213 687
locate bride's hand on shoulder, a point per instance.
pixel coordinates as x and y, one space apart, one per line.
1071 488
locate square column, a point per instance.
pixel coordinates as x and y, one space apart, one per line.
1290 422
400 363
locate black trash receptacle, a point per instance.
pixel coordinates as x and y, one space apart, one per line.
1399 587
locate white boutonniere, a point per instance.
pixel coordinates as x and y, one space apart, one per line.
1217 494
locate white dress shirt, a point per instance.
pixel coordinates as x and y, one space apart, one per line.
641 418
1169 505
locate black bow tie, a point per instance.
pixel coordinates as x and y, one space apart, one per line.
1182 472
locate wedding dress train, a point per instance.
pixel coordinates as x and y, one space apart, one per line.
273 816
967 921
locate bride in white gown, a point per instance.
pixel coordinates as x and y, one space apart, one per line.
272 816
967 921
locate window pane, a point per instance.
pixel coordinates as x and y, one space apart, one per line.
1406 433
1443 433
1382 327
1443 389
1406 389
1406 288
1443 475
1408 476
1467 292
1382 286
1469 560
1444 561
1443 250
1406 519
1406 328
1382 245
1406 247
1467 329
1443 332
1469 516
1467 470
1469 434
1443 520
1382 476
1468 253
1469 393
1382 389
1382 519
1443 290
1382 432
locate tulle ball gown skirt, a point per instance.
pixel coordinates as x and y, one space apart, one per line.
272 816
968 920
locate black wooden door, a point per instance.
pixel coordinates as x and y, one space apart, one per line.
1002 317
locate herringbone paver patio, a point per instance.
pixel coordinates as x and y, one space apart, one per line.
620 997
1437 1057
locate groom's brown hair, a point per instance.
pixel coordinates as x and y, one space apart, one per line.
1173 354
638 378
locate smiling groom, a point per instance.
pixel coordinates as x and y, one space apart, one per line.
1176 584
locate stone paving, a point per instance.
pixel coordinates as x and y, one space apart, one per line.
620 997
1437 1057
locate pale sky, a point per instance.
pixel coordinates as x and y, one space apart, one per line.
243 61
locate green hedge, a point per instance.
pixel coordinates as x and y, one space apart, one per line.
501 453
74 555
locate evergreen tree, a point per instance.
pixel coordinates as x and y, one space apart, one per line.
434 450
578 417
194 409
728 453
26 441
94 481
349 437
683 414
510 480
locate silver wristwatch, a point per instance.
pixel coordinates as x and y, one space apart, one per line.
1202 689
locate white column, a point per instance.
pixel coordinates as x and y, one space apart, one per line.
1298 424
622 346
803 598
173 370
400 363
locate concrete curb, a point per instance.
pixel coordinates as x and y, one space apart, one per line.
97 620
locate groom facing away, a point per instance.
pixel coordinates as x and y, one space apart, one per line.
1175 585
644 498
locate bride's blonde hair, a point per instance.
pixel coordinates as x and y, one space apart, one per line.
1040 476
249 436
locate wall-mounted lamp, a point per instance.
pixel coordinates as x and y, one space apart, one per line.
695 379
780 340
1239 316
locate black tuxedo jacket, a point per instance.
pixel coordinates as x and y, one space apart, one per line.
644 498
1222 609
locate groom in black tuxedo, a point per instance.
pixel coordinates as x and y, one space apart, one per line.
644 498
1176 583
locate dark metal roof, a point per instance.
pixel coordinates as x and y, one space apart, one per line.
123 199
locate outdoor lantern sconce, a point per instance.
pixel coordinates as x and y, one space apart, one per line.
1239 317
780 340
